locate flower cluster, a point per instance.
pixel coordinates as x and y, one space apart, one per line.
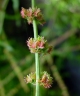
36 45
31 14
45 79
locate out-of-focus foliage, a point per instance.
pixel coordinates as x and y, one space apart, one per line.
62 29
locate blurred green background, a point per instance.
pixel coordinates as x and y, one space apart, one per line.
62 30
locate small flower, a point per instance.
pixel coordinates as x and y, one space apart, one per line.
29 12
31 78
31 43
37 11
28 79
46 80
41 42
33 50
23 12
30 19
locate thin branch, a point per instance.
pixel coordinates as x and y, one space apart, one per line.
72 48
65 36
62 51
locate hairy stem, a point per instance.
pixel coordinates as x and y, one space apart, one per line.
36 54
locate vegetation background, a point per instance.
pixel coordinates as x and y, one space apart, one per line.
62 30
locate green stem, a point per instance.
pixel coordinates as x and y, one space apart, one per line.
37 73
33 4
35 29
36 54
